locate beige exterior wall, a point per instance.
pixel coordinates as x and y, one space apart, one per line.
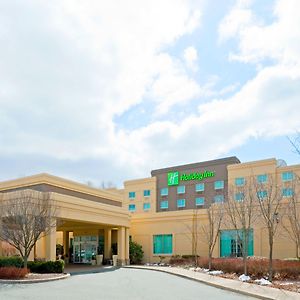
138 186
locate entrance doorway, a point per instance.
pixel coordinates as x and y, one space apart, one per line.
85 248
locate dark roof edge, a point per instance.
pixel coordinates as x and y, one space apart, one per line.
229 160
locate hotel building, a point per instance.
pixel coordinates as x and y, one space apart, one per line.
157 212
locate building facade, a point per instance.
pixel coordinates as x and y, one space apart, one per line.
159 212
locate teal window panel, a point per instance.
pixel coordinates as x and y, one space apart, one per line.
164 191
262 178
200 187
219 184
181 203
131 195
239 196
219 198
262 194
240 181
287 192
233 241
163 244
131 207
164 204
181 189
146 206
199 201
287 176
146 193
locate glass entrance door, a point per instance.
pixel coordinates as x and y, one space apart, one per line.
85 248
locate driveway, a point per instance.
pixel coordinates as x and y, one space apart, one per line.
118 284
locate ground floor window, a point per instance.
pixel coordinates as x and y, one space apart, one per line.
163 244
232 243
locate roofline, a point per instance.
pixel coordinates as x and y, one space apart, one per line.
59 182
230 159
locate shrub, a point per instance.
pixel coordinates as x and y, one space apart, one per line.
13 261
46 267
181 260
13 272
136 253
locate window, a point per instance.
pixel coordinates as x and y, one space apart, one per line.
219 198
239 196
146 193
263 178
287 176
164 192
262 194
146 206
219 184
181 203
287 192
199 201
232 241
199 187
131 195
131 207
239 181
162 244
181 189
164 204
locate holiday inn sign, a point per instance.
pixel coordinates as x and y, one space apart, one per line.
174 177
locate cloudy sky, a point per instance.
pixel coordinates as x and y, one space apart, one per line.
104 91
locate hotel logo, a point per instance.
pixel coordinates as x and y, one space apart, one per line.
173 178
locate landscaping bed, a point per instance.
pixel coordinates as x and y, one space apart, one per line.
286 272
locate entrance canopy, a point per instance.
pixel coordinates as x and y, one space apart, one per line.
80 208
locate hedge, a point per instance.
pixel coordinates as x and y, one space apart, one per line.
13 261
34 266
46 267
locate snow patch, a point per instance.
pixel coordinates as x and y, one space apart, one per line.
215 272
263 281
244 278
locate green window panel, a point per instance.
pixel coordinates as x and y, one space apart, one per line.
232 241
199 187
163 244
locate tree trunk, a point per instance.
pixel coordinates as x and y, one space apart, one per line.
25 258
271 261
209 260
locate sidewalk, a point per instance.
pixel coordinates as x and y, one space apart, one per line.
248 289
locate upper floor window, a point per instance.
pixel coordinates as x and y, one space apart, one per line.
240 181
287 192
199 187
199 201
239 196
131 195
164 191
146 193
181 189
219 198
219 184
162 244
181 203
146 206
131 207
287 176
262 194
262 178
164 204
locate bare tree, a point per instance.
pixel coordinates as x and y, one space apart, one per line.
291 219
295 143
269 196
26 216
215 214
193 232
241 215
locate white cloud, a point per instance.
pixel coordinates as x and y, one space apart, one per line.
190 56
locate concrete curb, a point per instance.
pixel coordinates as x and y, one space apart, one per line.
248 289
27 281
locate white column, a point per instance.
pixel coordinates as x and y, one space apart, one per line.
51 242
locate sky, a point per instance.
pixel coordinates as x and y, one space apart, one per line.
106 91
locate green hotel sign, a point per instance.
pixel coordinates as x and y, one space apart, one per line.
174 177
